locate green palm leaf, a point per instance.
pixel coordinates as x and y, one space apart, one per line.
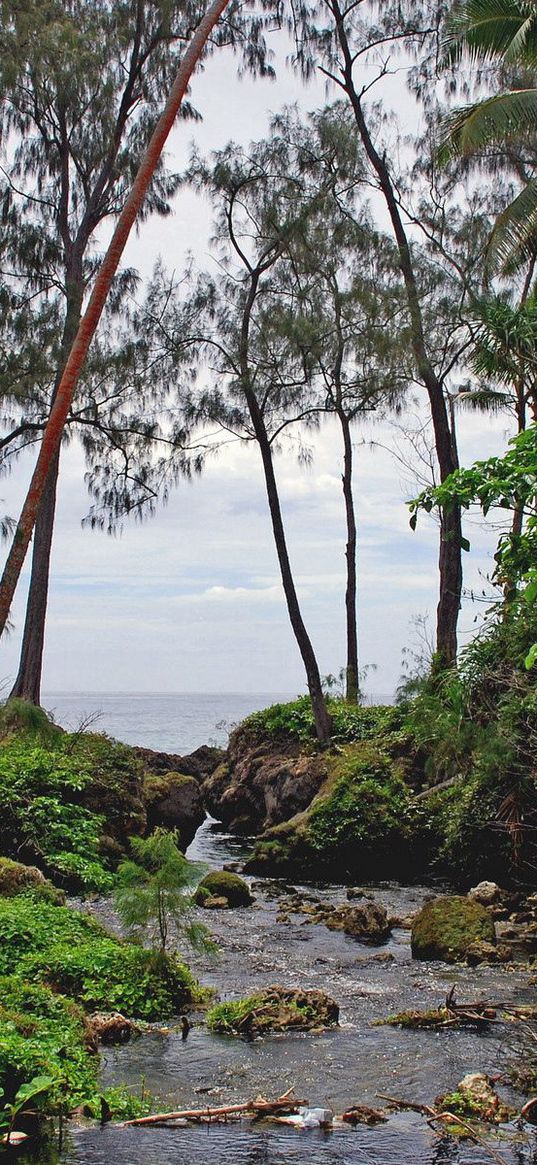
499 119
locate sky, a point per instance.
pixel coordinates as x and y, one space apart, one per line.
190 600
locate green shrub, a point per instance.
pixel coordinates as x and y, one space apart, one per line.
59 795
105 974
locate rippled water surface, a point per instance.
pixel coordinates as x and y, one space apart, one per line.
354 1063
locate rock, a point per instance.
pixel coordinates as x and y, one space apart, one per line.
487 893
174 801
367 922
482 952
15 878
475 1097
354 892
216 902
447 926
112 1027
222 884
276 1009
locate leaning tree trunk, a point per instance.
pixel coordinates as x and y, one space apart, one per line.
58 415
449 562
352 689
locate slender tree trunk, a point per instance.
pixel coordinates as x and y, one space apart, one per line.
322 720
323 723
352 685
58 415
450 564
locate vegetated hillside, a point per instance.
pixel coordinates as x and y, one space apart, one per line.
443 785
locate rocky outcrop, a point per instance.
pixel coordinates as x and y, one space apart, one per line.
172 788
174 801
199 764
447 927
263 782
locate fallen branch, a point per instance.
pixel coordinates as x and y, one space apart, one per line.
257 1108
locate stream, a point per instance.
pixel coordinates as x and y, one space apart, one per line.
335 1069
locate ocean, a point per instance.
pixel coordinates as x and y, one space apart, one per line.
174 722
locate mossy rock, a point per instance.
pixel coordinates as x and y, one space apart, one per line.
223 884
446 927
16 878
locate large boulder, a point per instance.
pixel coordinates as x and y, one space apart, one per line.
174 801
447 926
222 884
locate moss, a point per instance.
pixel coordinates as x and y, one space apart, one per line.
445 928
223 884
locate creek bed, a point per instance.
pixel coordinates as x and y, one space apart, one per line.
338 1068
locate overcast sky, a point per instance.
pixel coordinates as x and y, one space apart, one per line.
191 600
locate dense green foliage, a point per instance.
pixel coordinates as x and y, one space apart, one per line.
43 1032
72 953
60 793
350 722
477 726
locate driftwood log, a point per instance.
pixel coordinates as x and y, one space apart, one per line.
287 1103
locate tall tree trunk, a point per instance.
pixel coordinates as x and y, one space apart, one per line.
27 685
322 719
351 685
449 562
58 415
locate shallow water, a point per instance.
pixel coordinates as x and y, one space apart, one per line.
335 1069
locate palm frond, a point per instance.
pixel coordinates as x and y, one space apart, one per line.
498 119
486 29
514 238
